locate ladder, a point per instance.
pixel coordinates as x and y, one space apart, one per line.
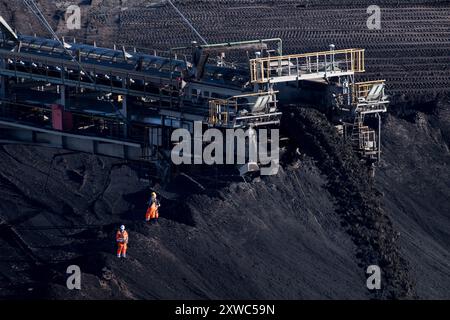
364 139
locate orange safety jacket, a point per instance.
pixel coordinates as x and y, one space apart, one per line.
122 237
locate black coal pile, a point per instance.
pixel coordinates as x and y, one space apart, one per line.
358 202
279 237
414 179
309 232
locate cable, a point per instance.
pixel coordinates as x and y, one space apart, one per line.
38 13
188 22
31 5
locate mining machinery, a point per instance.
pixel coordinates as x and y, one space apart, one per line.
123 103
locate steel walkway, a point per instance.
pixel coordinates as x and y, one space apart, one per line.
318 65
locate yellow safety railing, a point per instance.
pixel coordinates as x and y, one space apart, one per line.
221 111
347 60
362 89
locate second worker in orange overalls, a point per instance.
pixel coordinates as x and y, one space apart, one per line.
153 208
122 242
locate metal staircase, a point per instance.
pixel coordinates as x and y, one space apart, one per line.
368 99
364 139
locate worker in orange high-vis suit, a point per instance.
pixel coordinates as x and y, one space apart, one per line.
152 210
122 242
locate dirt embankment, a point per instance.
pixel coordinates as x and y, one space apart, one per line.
414 179
309 232
358 201
279 237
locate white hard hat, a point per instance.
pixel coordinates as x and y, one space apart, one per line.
122 227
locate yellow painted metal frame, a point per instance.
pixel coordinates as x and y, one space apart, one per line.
216 104
260 68
362 89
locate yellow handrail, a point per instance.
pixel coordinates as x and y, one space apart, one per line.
219 108
362 89
311 54
263 69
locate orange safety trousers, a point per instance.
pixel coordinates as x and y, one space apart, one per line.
121 248
152 212
122 240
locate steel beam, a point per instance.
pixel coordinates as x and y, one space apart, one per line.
25 134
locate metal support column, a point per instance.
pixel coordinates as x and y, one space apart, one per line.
124 112
62 92
379 137
124 109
